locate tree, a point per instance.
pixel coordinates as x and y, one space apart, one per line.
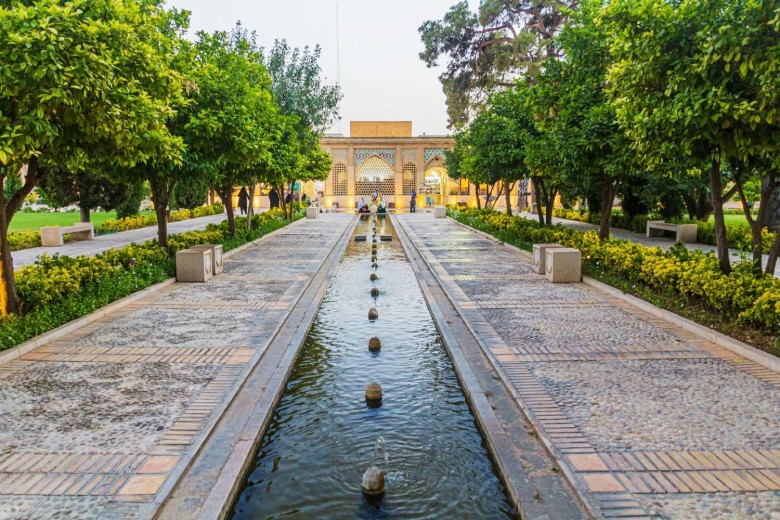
498 138
697 80
571 103
488 50
92 47
227 128
85 188
299 87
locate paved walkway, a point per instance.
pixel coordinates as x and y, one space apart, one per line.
106 242
647 419
640 238
102 422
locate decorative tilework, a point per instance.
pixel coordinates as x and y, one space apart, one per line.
430 153
410 155
339 155
361 154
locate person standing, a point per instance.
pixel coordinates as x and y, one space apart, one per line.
243 200
413 201
273 198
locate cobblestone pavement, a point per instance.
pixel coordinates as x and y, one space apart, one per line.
95 424
639 238
649 420
111 241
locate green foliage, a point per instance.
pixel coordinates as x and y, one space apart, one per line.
129 206
739 296
487 49
24 240
13 183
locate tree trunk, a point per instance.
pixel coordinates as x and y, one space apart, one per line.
722 246
226 194
508 197
550 205
250 207
9 299
160 199
771 262
479 202
608 192
538 189
84 214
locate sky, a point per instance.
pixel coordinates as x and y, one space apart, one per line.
382 77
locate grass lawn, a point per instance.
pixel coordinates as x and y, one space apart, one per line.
732 219
35 221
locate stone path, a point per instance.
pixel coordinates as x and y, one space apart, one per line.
102 422
646 419
639 238
106 242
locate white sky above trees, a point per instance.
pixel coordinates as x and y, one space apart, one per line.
382 77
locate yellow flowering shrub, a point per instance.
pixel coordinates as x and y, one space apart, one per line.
741 295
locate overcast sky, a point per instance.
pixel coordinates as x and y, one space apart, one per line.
382 77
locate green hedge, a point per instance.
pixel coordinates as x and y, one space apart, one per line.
739 236
741 296
57 289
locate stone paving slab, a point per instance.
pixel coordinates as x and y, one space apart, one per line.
111 241
648 420
99 422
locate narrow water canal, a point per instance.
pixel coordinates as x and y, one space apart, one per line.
323 436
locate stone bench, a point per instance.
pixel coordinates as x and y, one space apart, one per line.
685 233
439 212
312 212
53 235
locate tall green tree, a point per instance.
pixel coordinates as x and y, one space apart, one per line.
487 50
91 47
227 131
697 79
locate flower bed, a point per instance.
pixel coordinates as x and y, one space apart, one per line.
128 223
58 289
740 297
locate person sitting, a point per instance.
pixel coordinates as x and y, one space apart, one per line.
382 208
362 206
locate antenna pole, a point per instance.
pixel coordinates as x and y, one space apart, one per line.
338 55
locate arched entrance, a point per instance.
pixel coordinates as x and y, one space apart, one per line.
374 174
433 186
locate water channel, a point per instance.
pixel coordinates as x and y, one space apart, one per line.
323 436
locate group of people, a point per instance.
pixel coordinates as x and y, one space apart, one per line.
273 199
377 200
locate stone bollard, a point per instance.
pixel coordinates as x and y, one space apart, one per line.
194 265
216 256
374 344
373 277
312 212
375 292
373 314
374 265
540 255
373 482
439 212
564 265
373 393
373 258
